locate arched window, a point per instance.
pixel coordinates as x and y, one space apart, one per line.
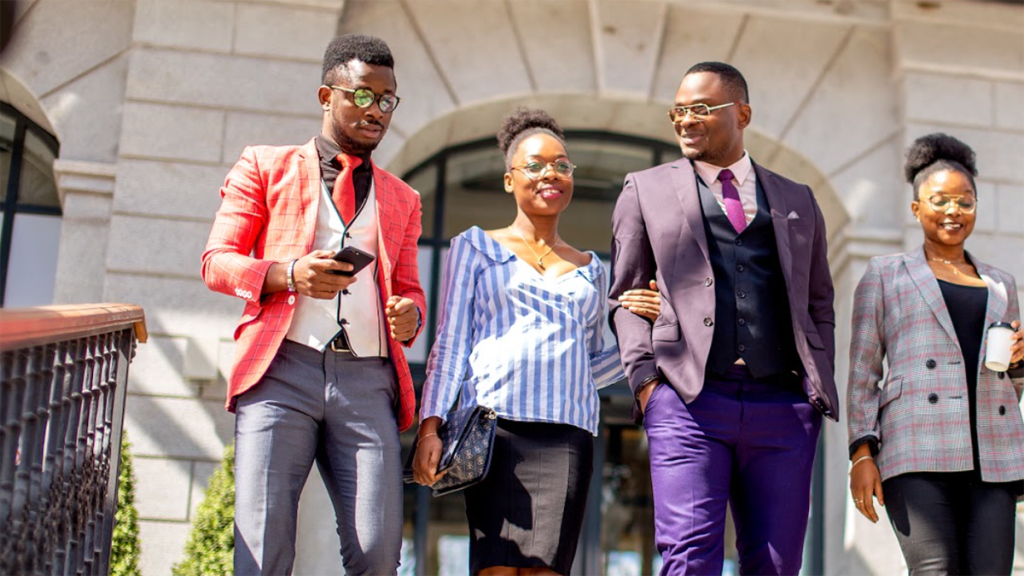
30 212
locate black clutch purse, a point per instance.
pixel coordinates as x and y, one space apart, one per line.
467 440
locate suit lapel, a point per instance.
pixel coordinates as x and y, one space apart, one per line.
779 210
685 181
998 298
385 241
926 283
309 191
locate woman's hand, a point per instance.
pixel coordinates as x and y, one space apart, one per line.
1017 347
865 482
646 303
428 453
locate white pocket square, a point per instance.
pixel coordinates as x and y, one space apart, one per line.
793 216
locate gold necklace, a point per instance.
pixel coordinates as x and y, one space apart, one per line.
540 257
951 263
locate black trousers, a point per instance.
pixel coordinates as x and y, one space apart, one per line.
952 522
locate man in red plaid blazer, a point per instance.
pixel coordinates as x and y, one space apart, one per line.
319 372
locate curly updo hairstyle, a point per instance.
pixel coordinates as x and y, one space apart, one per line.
520 125
934 152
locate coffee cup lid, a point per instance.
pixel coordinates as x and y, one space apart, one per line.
1000 325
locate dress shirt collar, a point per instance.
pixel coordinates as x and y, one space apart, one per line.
329 152
741 169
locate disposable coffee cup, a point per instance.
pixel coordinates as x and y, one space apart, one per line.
997 349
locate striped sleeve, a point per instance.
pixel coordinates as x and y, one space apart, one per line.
605 365
449 358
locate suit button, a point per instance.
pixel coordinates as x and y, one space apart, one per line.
1002 410
343 322
741 294
930 364
345 292
708 281
741 348
933 398
291 299
739 242
740 267
709 322
1001 375
742 322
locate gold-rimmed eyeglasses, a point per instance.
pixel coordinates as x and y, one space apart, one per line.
943 202
698 111
534 170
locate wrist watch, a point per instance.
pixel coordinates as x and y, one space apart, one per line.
643 385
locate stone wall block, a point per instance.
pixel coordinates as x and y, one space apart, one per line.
178 428
157 368
169 189
424 93
549 32
782 59
83 249
171 132
987 216
57 41
691 36
858 84
156 245
163 544
87 113
480 60
872 189
977 49
176 305
284 31
202 472
1010 198
224 81
627 39
162 492
948 99
196 25
248 129
1009 106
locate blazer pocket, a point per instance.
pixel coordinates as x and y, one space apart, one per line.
814 339
666 332
893 389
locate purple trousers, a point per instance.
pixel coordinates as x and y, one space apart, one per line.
743 442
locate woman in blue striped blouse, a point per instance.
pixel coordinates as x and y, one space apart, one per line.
521 331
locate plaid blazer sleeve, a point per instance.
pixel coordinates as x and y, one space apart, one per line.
406 276
867 350
1013 313
228 265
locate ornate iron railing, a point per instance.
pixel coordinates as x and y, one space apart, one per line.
63 375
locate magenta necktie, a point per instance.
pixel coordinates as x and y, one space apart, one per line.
733 206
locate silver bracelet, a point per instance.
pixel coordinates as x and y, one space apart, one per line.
291 276
858 461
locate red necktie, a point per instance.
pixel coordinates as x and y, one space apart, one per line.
344 194
733 206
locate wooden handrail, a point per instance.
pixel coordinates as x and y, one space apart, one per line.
24 327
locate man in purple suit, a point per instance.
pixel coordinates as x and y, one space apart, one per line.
733 378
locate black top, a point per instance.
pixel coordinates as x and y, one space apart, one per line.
966 305
330 167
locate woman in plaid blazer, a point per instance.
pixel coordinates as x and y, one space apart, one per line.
939 434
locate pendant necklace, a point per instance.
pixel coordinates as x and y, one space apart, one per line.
540 257
951 263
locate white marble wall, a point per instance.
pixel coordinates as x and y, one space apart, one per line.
153 100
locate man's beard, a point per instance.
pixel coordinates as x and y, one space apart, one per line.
353 147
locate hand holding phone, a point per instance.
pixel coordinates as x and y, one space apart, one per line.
354 256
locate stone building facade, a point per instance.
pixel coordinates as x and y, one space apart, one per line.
151 102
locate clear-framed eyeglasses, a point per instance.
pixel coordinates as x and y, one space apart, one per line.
698 111
534 170
943 202
364 98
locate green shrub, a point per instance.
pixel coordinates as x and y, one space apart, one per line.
124 549
210 547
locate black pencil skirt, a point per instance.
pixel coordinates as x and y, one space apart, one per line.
528 511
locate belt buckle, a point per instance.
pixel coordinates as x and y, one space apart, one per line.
337 349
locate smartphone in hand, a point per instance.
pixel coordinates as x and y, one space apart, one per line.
354 256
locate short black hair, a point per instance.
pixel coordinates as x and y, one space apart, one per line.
934 152
348 47
730 76
522 123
